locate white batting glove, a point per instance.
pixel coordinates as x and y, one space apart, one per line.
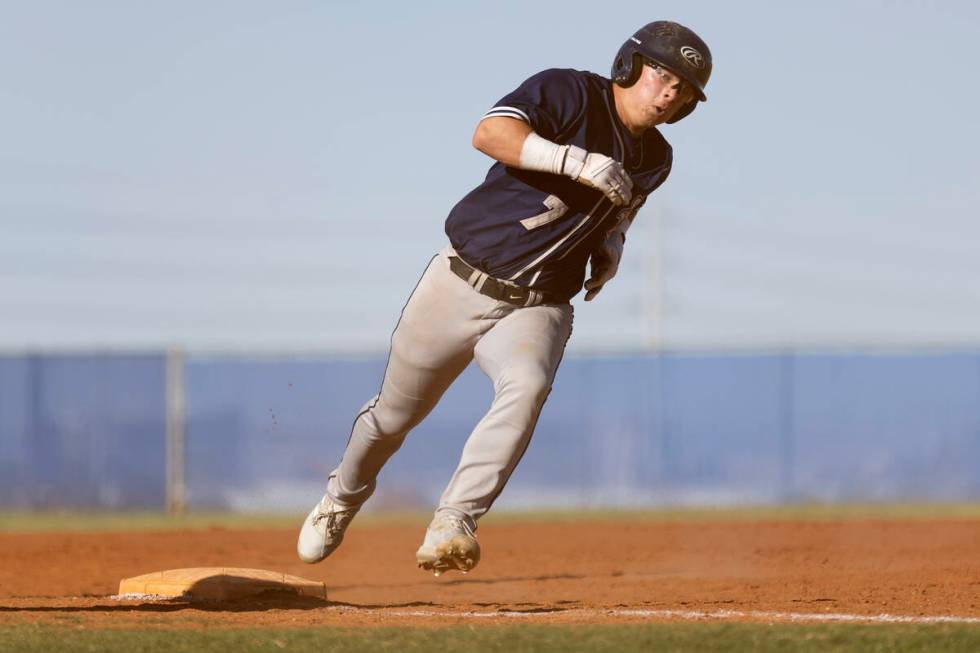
589 168
600 172
605 263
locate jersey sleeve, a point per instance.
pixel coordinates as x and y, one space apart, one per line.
550 102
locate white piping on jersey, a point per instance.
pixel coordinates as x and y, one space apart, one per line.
511 112
588 231
559 243
622 150
535 277
632 206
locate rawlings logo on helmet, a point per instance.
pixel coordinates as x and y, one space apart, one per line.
693 57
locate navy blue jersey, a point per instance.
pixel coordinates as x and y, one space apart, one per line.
538 229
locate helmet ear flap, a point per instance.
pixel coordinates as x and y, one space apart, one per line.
626 67
636 68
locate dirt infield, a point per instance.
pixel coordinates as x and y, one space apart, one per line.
595 572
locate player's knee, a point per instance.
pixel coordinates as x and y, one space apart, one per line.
530 384
381 426
393 416
397 426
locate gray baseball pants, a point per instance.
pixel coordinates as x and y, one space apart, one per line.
444 326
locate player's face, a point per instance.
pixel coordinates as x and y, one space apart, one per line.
659 94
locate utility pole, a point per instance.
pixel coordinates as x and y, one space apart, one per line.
653 285
176 406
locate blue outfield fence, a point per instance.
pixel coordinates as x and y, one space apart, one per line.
82 431
666 429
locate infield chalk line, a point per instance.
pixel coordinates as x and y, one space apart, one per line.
695 615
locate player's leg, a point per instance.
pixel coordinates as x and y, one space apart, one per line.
432 343
520 354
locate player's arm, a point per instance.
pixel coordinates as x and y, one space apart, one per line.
512 142
502 138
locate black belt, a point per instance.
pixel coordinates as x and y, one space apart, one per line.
497 289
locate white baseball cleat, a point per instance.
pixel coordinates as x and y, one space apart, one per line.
323 530
449 544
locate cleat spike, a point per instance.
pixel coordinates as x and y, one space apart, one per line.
449 545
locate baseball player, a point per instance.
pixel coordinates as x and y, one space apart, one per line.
576 155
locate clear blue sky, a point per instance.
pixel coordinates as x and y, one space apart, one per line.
275 175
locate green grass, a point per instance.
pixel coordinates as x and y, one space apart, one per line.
123 521
508 639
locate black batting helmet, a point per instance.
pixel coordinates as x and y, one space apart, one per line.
674 47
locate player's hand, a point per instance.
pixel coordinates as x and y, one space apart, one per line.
600 172
604 263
